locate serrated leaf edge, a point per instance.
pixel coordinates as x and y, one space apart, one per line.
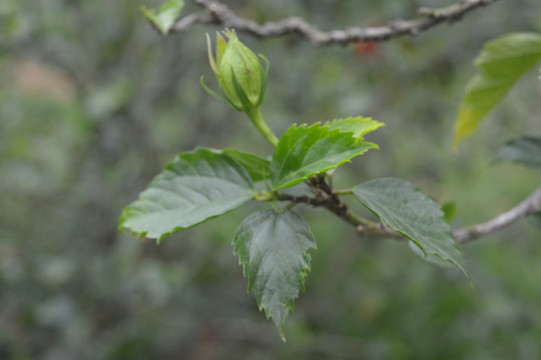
331 132
141 234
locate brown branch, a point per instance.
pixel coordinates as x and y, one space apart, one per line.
530 205
325 197
219 14
312 201
321 188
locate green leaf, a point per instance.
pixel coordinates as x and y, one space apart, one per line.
258 168
502 62
525 150
304 151
432 259
166 15
449 211
194 187
359 126
405 209
272 248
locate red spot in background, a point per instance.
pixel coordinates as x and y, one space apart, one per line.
366 48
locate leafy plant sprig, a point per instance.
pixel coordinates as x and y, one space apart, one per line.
273 245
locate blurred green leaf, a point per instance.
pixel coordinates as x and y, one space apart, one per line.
405 209
449 211
359 126
304 151
502 62
193 188
258 168
525 150
165 16
272 248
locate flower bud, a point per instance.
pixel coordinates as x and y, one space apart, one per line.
241 77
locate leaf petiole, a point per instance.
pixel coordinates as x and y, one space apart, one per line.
343 192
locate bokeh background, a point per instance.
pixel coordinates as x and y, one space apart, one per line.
93 102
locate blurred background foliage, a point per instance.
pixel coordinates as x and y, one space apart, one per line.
93 102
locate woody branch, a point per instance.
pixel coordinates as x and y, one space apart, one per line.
326 197
217 13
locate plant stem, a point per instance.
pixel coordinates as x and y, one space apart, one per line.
255 115
355 219
343 192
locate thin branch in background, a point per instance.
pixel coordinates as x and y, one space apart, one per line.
185 23
529 206
220 14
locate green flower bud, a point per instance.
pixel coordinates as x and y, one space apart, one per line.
241 77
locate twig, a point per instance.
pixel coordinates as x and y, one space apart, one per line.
186 22
326 197
220 14
312 201
530 205
334 204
